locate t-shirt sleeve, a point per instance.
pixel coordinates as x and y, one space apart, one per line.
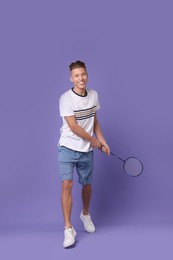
97 102
65 106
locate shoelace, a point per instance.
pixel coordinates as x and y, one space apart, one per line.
89 221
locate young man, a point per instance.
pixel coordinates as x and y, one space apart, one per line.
78 108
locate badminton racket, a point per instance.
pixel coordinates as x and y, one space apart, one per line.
132 166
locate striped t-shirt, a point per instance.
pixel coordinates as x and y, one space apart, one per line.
84 109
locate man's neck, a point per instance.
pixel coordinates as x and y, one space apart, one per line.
80 92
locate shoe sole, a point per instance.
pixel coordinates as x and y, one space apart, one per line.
66 246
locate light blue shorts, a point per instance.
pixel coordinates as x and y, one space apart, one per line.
69 159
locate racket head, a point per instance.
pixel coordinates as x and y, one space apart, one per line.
133 166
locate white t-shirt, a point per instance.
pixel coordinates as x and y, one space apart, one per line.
84 109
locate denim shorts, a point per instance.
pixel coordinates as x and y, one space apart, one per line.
68 160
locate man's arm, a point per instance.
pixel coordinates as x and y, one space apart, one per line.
75 128
98 132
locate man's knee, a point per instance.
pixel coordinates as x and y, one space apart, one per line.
67 185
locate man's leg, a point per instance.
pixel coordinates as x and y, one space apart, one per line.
85 170
66 200
85 216
86 197
66 167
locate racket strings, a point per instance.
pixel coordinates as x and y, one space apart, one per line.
132 166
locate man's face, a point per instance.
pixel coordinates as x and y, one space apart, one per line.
79 78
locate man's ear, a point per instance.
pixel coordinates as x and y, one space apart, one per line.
71 78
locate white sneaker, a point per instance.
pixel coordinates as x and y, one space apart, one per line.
69 237
88 224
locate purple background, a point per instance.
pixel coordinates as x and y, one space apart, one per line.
127 47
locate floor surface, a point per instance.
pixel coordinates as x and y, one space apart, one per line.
133 242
